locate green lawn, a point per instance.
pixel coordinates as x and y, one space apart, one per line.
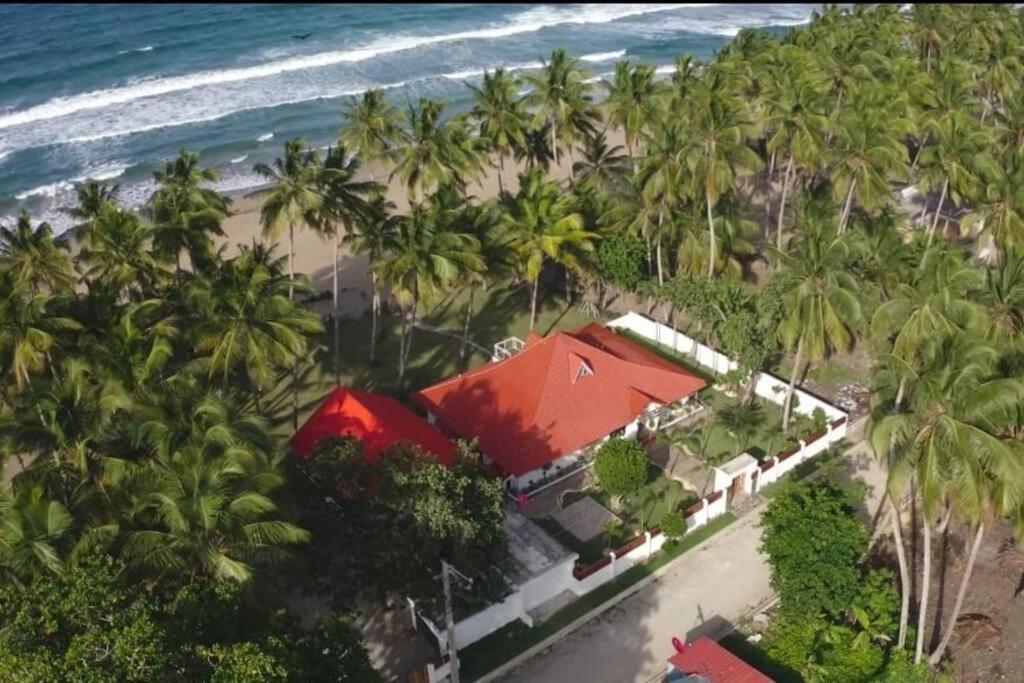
639 511
500 312
682 360
487 654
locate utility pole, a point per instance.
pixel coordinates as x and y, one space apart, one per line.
449 617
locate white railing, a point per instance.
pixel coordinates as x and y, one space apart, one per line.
507 348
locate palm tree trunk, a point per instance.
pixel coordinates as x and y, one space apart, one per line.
291 261
846 207
938 211
661 276
334 287
899 392
533 302
554 142
782 202
926 579
711 236
788 407
572 174
901 557
501 173
917 156
936 656
375 316
465 326
401 350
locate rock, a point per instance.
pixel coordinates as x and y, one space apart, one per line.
760 622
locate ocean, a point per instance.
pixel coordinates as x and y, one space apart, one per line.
113 91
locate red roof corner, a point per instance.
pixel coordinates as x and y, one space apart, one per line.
378 421
707 658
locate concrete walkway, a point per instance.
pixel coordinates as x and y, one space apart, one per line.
702 593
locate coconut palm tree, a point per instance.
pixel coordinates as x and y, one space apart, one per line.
35 533
422 260
822 309
293 199
345 201
998 211
602 164
634 98
717 152
207 517
542 225
243 322
561 99
92 196
371 234
499 112
373 126
118 255
1002 298
34 258
536 151
431 152
30 330
665 183
185 211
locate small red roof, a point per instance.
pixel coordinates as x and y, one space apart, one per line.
707 658
559 394
376 420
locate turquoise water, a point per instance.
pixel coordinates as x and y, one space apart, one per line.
109 91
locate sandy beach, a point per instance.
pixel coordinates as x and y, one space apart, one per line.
313 253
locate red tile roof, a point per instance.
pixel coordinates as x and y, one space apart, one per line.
707 658
558 394
378 421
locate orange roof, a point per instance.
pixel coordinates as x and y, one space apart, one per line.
707 658
376 420
560 393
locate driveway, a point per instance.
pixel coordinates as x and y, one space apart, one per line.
703 593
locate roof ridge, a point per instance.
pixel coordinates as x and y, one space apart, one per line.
488 366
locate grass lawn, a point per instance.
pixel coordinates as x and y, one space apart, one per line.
487 654
639 511
499 313
680 359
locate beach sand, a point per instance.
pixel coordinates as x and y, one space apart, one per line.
314 254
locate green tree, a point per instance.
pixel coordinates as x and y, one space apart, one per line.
634 98
499 113
373 126
621 466
432 152
34 258
371 234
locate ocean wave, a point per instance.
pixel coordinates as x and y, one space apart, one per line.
603 56
48 191
473 73
238 160
148 48
102 173
265 137
526 22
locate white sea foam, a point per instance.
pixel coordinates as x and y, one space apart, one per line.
108 172
148 48
46 191
526 22
603 56
473 73
238 160
265 137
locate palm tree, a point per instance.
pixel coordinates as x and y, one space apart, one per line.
732 233
541 225
293 198
422 259
499 112
561 99
999 210
373 126
868 153
1002 298
118 254
536 151
664 180
717 154
603 165
207 517
185 213
432 152
372 233
821 303
243 323
30 330
741 423
634 97
344 202
92 196
33 257
35 533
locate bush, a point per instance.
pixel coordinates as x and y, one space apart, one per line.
621 466
673 525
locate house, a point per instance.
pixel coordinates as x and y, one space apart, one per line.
376 420
705 661
547 403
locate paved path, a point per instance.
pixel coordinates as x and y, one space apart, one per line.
702 593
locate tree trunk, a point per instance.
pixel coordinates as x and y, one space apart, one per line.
901 557
926 580
465 326
501 174
554 142
711 235
917 156
533 302
788 406
782 202
936 656
291 261
375 316
899 393
846 207
401 350
334 287
938 211
572 174
661 277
